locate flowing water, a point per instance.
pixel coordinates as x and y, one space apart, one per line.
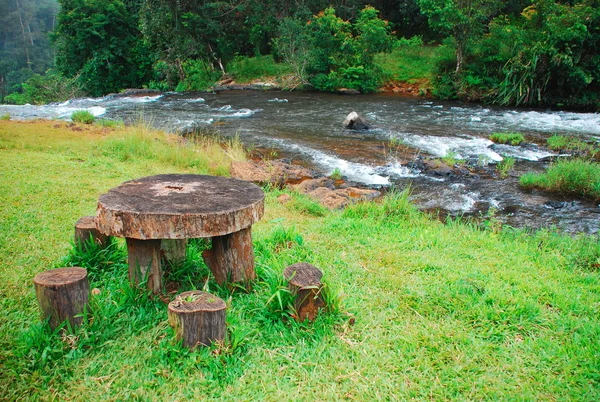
307 127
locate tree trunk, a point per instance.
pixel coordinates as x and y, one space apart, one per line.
305 283
231 258
62 294
198 318
85 228
23 31
460 55
144 259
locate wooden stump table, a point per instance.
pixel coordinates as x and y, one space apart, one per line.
168 207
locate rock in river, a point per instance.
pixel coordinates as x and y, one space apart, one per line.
354 121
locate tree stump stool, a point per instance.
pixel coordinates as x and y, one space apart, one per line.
198 318
304 281
85 228
62 294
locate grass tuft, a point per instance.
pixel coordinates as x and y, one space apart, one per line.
336 174
197 153
83 116
306 205
576 177
110 123
505 166
507 138
571 144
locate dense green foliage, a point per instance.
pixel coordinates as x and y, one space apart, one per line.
25 48
39 89
543 53
517 52
99 42
342 54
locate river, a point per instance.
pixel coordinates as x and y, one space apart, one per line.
307 127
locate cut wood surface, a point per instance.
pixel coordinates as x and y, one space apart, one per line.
304 281
62 294
198 318
231 257
86 228
179 206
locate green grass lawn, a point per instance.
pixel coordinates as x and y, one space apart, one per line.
427 311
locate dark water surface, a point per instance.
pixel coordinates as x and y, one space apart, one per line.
307 127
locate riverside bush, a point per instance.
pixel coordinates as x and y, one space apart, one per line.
42 89
331 53
245 69
199 75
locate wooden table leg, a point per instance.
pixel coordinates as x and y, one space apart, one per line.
231 258
143 257
174 250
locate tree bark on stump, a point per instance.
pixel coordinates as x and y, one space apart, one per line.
304 281
198 318
62 294
144 259
231 258
86 228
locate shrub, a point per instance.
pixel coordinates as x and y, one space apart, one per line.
577 176
83 116
246 69
199 76
41 89
507 138
5 116
342 54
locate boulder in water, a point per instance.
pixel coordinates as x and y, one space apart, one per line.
354 121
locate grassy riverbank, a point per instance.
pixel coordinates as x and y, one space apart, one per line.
438 311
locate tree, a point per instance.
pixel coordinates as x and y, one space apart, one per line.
462 19
99 42
24 44
342 53
555 57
